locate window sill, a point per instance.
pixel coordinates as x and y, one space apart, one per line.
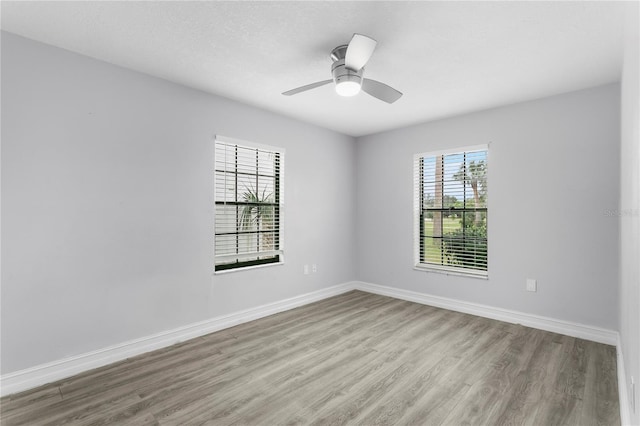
246 268
480 275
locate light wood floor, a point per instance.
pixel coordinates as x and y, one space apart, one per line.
357 359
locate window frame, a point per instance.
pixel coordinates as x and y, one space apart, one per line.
273 257
419 211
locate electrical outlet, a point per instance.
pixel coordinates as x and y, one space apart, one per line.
306 269
532 285
314 268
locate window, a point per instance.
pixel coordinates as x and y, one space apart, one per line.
248 203
451 210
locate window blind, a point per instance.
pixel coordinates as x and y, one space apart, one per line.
248 203
451 209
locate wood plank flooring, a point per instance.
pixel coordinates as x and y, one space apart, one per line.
358 359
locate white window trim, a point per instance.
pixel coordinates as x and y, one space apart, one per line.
446 270
251 144
280 252
248 268
417 264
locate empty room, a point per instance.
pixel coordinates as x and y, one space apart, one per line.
320 213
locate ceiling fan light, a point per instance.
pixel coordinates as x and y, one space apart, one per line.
348 88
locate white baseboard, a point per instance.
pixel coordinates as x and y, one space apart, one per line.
46 373
623 394
586 332
50 372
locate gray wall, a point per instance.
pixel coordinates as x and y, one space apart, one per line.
553 176
630 210
107 205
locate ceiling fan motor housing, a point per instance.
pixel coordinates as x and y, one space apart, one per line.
339 71
342 73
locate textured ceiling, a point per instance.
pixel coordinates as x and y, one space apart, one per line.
447 58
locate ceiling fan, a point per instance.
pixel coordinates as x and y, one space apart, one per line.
347 70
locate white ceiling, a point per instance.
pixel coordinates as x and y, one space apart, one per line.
447 58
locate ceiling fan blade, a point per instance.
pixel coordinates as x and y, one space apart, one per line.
307 87
359 51
380 90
